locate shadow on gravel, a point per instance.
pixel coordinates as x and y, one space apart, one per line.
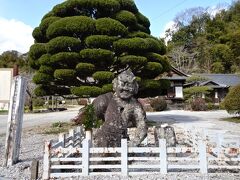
172 119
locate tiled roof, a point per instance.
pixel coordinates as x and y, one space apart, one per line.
223 79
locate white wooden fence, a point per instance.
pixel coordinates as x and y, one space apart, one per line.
73 157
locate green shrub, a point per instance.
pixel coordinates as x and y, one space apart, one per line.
131 45
152 69
42 90
133 60
85 69
63 44
103 76
107 7
86 91
232 101
107 88
37 50
196 91
38 35
125 17
64 74
65 59
76 26
128 5
89 119
41 78
38 102
143 20
46 22
196 78
100 41
46 69
111 27
155 45
45 60
97 56
198 104
158 104
163 60
139 34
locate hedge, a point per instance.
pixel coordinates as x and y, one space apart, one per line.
85 69
45 59
63 44
232 101
86 91
163 60
41 78
100 41
97 56
65 59
46 22
82 7
107 88
143 20
41 90
103 76
128 5
76 26
64 74
152 69
111 27
38 35
46 69
139 34
37 50
127 18
131 45
133 60
154 45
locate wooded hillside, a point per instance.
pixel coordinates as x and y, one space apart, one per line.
206 43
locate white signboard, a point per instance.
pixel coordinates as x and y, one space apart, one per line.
6 75
179 92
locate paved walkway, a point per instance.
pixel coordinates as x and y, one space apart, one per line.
185 119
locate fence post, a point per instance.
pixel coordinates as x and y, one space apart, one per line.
203 157
219 143
62 138
72 135
163 156
46 160
85 157
124 157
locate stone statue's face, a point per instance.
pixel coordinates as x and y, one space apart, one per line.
125 89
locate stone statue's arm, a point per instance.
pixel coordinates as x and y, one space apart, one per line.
141 126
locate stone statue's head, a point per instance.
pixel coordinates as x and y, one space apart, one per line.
125 85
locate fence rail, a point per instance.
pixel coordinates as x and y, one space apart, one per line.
124 160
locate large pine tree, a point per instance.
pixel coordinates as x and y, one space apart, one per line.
81 45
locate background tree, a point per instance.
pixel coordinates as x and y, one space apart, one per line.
81 45
213 37
232 101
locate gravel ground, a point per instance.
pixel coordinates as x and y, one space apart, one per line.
31 148
33 141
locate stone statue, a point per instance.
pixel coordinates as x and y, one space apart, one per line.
120 110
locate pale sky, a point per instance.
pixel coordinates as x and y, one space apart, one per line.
18 18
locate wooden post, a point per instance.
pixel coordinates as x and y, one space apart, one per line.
163 156
124 157
72 135
46 160
203 162
62 138
15 119
34 169
85 157
219 143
